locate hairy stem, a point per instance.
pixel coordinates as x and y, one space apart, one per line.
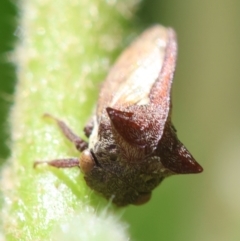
64 51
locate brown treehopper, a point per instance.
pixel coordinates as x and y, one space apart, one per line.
133 145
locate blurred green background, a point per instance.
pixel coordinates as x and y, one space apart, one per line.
206 104
7 71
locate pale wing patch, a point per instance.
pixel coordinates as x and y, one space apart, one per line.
136 88
145 70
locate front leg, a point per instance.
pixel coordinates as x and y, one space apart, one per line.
79 143
60 163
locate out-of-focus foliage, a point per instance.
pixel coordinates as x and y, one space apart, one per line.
206 113
7 72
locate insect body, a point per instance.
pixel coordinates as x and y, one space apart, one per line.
133 145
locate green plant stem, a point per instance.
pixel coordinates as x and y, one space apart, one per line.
65 49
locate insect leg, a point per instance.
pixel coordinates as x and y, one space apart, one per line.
60 163
79 143
88 128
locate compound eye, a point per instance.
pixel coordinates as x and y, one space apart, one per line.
86 161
